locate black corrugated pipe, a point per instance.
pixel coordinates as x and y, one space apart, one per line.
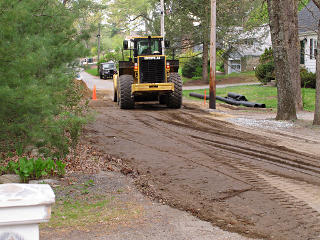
230 101
198 95
252 104
237 96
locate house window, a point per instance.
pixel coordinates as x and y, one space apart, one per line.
315 48
302 51
311 48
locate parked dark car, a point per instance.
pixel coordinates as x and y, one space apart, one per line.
106 70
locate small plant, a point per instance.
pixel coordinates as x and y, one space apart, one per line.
50 166
89 183
3 170
86 185
60 168
35 168
19 149
12 166
25 169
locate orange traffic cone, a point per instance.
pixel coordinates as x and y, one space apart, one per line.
94 93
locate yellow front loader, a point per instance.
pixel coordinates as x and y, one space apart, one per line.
148 76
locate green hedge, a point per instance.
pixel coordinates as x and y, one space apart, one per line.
192 68
308 79
265 70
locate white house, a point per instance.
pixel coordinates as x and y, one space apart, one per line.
308 24
246 52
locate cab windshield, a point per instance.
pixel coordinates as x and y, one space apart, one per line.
149 47
108 66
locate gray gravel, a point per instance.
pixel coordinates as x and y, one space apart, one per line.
261 123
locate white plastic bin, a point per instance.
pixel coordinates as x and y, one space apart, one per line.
22 208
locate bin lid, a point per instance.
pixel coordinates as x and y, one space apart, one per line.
13 194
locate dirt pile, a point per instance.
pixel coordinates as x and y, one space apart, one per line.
83 88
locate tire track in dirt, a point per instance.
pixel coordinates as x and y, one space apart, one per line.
276 154
286 197
218 173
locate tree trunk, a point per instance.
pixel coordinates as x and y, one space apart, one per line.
205 56
294 53
205 39
316 120
282 17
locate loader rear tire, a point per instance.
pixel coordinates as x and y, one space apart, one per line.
126 100
118 91
175 98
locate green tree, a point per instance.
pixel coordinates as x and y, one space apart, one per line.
38 99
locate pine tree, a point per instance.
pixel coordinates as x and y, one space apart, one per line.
38 42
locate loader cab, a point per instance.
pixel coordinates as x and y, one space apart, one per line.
145 46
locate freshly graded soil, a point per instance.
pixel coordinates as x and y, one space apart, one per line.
236 179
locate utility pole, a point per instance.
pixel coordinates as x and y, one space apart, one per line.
162 25
98 36
212 85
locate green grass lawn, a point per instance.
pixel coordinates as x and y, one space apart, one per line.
259 94
250 74
92 71
241 74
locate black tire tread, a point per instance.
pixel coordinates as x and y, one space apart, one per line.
126 100
175 98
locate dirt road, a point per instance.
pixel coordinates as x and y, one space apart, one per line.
240 181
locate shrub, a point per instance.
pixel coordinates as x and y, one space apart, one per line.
185 57
191 68
265 72
198 72
308 79
267 56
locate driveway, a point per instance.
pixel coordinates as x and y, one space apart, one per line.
93 80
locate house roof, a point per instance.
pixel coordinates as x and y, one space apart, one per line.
261 40
308 18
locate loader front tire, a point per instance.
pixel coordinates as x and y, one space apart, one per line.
126 100
175 98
